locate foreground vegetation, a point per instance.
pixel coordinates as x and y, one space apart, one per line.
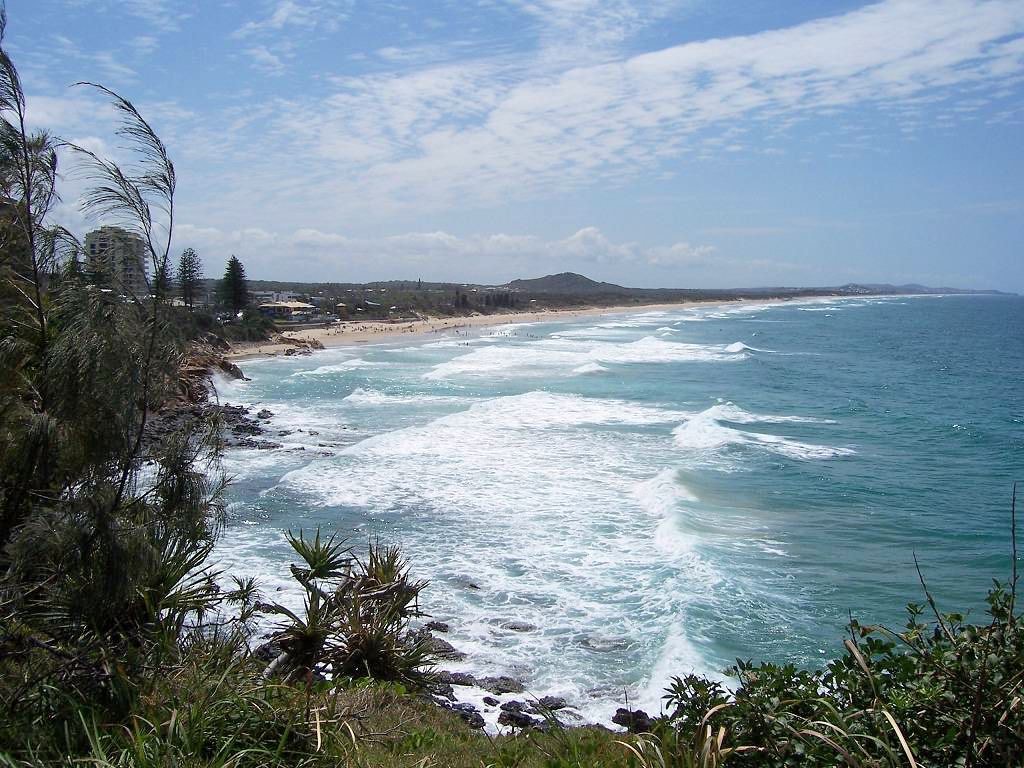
120 645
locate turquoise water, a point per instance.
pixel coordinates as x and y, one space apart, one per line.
657 492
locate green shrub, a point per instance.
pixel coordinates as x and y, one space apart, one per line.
252 326
355 620
937 693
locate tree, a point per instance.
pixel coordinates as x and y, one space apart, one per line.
162 284
189 276
104 527
233 290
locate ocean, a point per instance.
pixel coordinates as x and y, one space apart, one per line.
653 492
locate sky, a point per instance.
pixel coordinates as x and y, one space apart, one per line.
666 143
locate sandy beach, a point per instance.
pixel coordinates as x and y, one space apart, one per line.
345 333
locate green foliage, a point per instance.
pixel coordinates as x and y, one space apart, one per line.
252 326
934 693
189 276
233 290
103 534
355 618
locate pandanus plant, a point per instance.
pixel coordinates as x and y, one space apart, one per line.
355 616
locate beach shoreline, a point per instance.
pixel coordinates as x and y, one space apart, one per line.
352 332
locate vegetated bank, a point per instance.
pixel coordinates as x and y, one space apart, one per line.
120 645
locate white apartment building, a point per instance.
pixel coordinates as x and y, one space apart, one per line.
120 256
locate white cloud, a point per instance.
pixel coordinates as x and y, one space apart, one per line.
487 130
446 256
144 45
571 29
161 15
296 14
422 136
98 64
265 60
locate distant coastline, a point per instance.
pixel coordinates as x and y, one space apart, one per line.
448 307
347 333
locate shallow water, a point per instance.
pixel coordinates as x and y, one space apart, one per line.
657 492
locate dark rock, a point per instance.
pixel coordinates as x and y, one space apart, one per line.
465 581
442 649
231 369
456 678
469 714
604 645
633 720
437 626
443 689
268 651
516 720
518 626
500 685
264 414
490 701
552 703
513 706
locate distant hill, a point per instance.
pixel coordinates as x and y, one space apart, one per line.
566 283
913 288
391 298
574 284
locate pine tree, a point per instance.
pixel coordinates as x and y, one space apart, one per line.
233 290
189 276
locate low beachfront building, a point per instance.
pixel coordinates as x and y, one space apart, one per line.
285 309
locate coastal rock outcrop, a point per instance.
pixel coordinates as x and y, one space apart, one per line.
500 685
456 678
633 720
469 714
516 719
552 703
442 649
518 626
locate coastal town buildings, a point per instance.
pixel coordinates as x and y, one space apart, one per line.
118 257
286 308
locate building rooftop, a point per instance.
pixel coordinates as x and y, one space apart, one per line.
286 305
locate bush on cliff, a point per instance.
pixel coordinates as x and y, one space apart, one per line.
938 693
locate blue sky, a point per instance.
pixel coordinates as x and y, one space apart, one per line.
660 143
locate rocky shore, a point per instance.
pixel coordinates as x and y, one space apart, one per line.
505 696
477 699
238 426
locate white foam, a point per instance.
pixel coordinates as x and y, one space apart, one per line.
589 368
566 356
546 502
739 346
506 330
661 496
678 657
372 398
706 432
565 510
346 365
